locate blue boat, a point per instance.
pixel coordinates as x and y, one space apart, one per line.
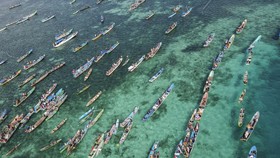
153 152
3 115
170 16
112 47
217 60
156 75
158 103
253 152
187 12
87 113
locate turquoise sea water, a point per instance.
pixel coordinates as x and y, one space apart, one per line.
186 64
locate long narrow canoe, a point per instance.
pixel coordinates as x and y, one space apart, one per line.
24 97
245 78
150 15
10 129
241 98
229 42
108 29
15 6
241 27
33 63
152 79
24 56
97 146
86 114
53 143
62 41
154 153
171 27
79 47
241 117
77 72
3 61
94 98
114 66
208 82
88 74
184 14
26 118
3 115
253 44
63 34
130 117
153 51
27 80
47 18
84 89
5 80
126 132
112 131
57 127
135 65
92 122
12 150
30 15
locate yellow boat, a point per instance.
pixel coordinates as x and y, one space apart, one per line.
84 89
88 74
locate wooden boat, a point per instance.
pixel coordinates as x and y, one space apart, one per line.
253 152
245 78
94 98
27 80
191 142
249 58
12 23
96 36
22 20
37 124
184 14
240 28
49 91
217 60
241 117
151 15
153 152
33 63
152 79
204 99
30 15
171 27
73 1
173 14
5 80
63 34
241 98
101 19
126 61
26 118
24 56
109 28
112 131
62 41
112 47
56 67
114 66
126 131
250 127
209 40
53 143
86 118
97 146
87 113
57 127
98 1
136 4
176 8
135 65
178 150
76 73
208 82
55 107
74 142
253 44
4 28
79 47
15 6
47 18
24 97
84 89
3 115
130 117
158 103
92 122
12 150
42 77
82 9
229 42
153 51
3 61
10 129
88 74
102 53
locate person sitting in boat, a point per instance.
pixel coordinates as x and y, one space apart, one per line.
17 101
